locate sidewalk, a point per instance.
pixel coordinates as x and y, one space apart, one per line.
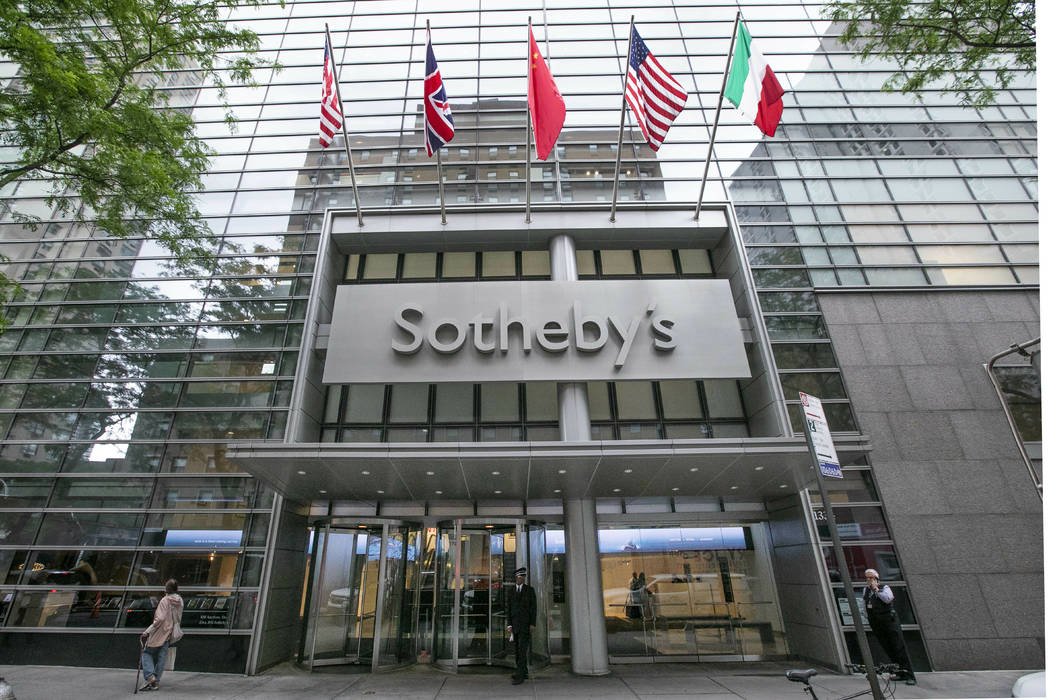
764 681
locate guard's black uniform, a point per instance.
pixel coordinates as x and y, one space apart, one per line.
883 620
521 613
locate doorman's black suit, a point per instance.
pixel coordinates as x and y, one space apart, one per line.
521 614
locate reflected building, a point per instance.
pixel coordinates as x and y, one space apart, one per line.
326 498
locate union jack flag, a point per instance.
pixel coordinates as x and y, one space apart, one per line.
331 110
437 115
655 96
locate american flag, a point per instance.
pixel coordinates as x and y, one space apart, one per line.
437 115
331 110
655 97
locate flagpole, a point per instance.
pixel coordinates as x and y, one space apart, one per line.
623 113
346 137
718 113
528 132
441 179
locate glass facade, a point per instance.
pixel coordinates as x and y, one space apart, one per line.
124 375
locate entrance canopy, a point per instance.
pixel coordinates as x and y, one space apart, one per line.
746 467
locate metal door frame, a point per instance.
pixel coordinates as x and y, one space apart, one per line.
317 570
478 524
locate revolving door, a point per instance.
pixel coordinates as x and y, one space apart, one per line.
476 559
359 594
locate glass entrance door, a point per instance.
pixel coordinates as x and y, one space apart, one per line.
476 560
356 595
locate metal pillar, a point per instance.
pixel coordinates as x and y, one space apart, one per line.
590 651
574 419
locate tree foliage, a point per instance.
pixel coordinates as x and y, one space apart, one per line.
974 46
90 114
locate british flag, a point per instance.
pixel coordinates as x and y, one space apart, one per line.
331 110
437 115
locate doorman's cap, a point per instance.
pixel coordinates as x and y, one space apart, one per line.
520 571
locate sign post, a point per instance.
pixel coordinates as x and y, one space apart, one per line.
822 450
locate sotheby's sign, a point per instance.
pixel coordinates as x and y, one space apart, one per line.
595 330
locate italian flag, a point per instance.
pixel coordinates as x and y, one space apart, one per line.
752 86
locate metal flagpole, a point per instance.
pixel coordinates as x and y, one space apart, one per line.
528 133
441 179
623 113
346 137
718 113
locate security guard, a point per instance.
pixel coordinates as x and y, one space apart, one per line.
521 608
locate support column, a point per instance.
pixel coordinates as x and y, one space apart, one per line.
590 650
574 419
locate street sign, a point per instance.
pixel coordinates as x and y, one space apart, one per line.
817 425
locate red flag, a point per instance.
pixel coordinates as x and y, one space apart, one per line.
545 102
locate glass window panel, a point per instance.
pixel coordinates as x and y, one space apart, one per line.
635 400
855 485
892 276
802 355
458 265
971 275
198 458
857 523
499 402
216 569
585 266
795 327
1022 253
880 557
825 385
617 262
215 530
333 396
657 262
52 395
1024 397
419 266
950 233
695 261
219 424
788 301
598 400
776 256
12 563
66 608
960 254
101 493
409 403
723 398
210 493
91 529
536 263
380 266
453 402
781 278
353 261
365 403
498 263
79 568
680 399
886 255
251 394
19 527
541 401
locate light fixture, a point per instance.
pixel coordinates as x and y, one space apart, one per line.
783 486
561 471
694 469
557 490
495 473
733 488
366 472
430 473
627 471
489 527
758 469
439 492
675 488
497 491
616 490
380 491
301 473
322 491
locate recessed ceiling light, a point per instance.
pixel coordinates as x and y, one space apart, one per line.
561 471
366 472
380 491
322 491
557 490
733 488
439 492
616 490
497 491
694 469
430 473
301 473
495 473
675 488
758 469
627 471
783 486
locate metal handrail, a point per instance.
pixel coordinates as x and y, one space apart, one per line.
989 367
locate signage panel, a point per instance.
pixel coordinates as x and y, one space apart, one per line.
596 330
820 436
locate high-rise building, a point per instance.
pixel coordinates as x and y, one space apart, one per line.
343 439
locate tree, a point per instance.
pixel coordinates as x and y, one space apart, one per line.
975 45
90 115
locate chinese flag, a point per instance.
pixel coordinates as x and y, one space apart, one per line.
545 102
